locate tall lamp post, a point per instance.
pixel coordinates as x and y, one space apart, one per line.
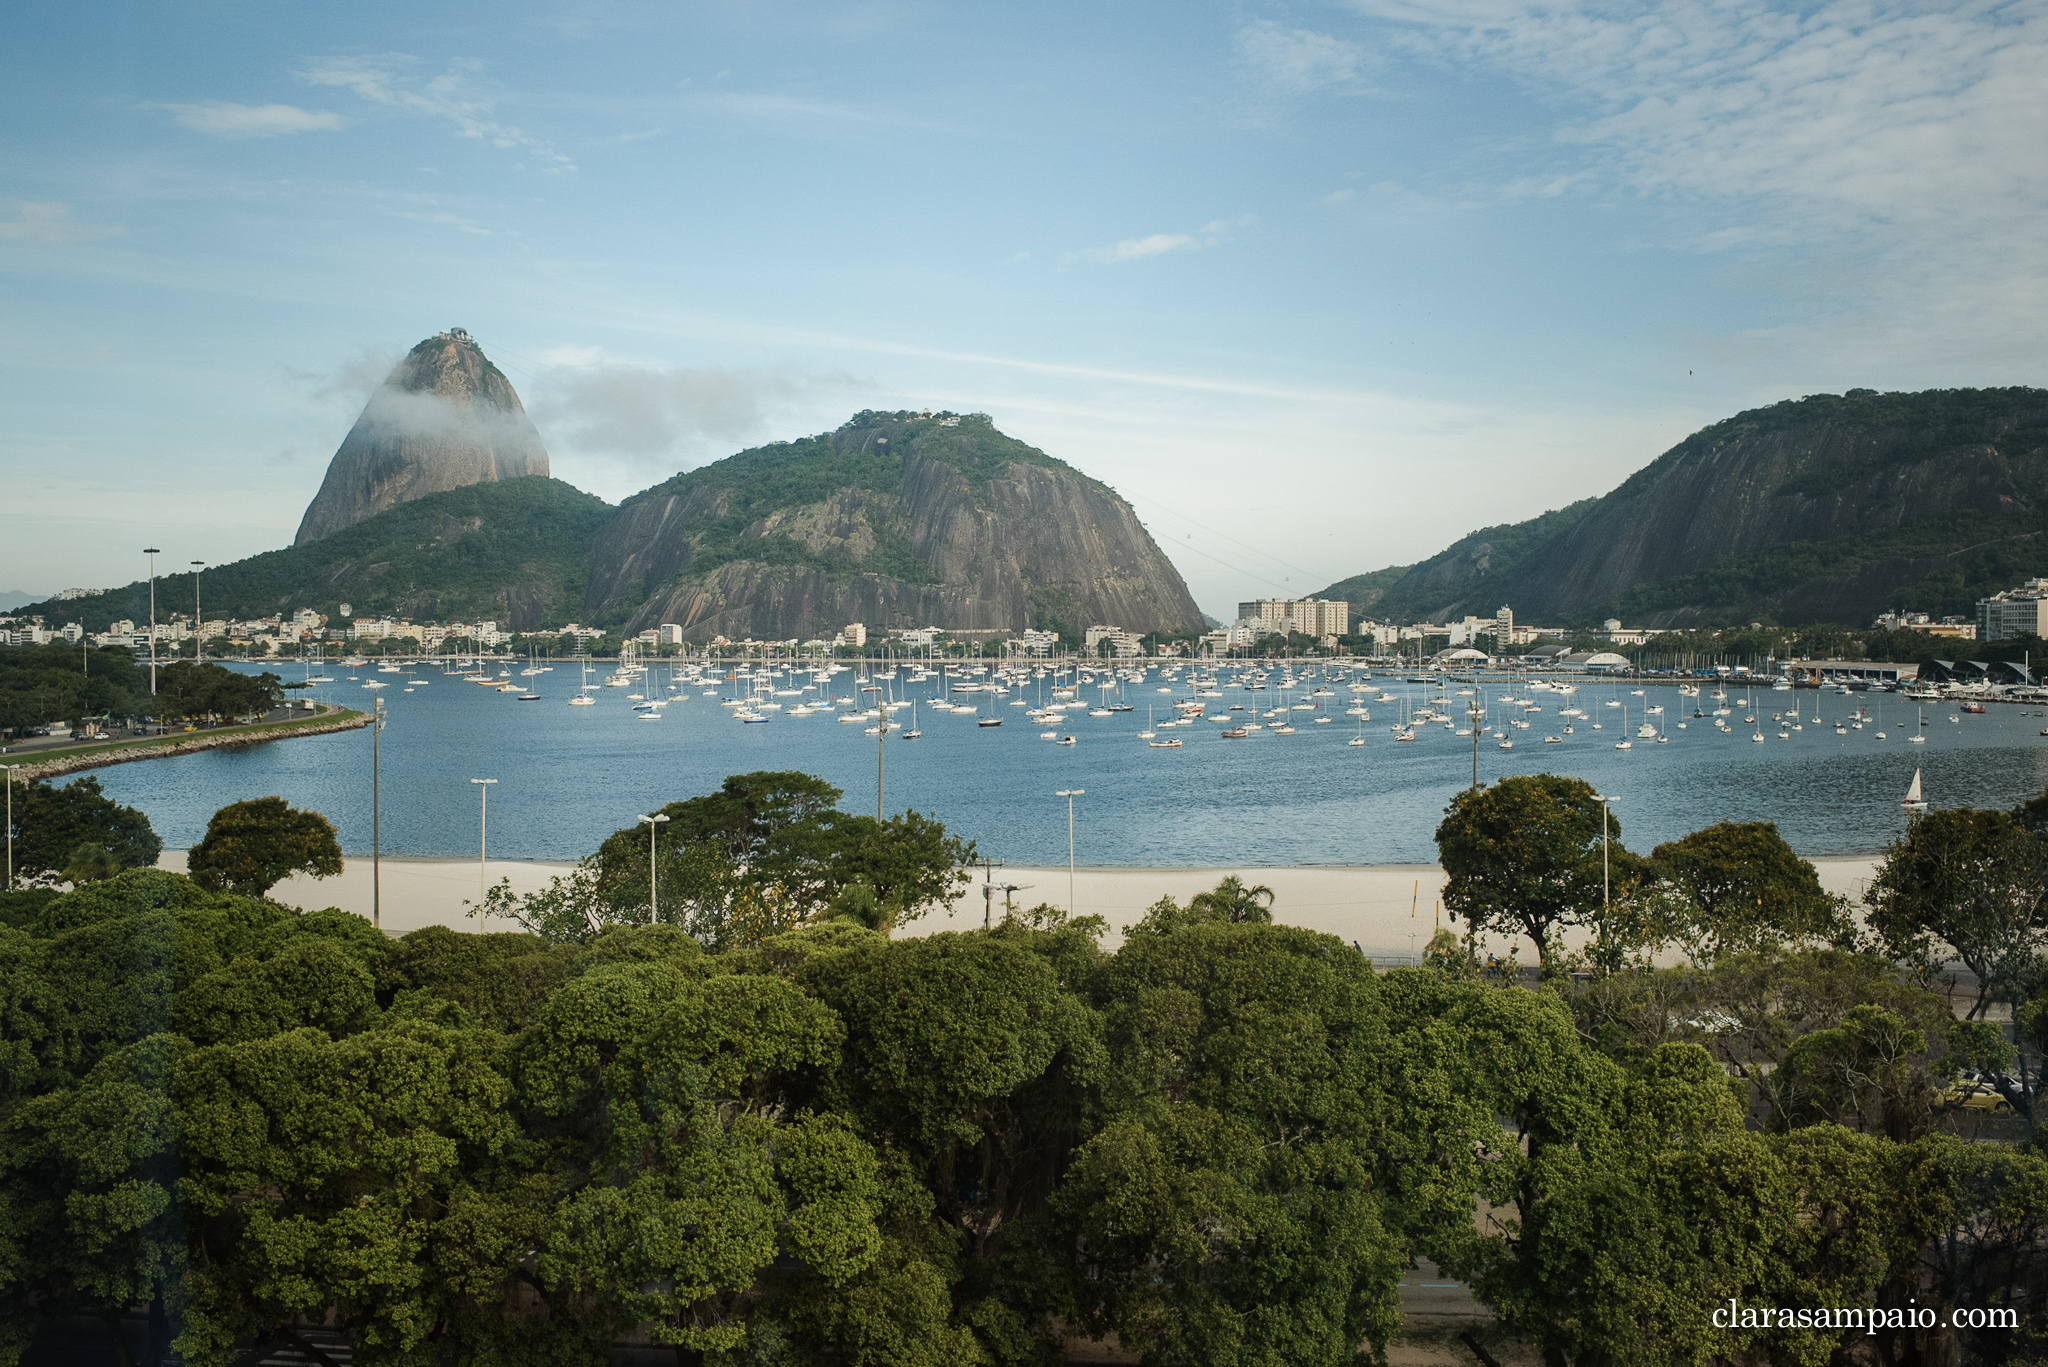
483 835
10 768
1070 794
198 641
376 821
654 823
152 552
1605 841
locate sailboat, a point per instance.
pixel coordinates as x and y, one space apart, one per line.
583 698
1914 801
1621 744
1148 733
1919 737
913 733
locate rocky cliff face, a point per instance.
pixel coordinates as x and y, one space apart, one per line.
444 418
1829 508
895 520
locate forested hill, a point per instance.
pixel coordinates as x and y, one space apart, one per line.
895 520
516 552
1830 508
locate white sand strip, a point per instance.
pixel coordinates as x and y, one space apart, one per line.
1370 906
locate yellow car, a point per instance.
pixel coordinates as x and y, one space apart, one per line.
1972 1096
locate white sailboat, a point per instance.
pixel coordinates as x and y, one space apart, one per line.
1914 801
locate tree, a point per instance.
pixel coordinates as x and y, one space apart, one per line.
1738 885
250 846
50 824
1236 1197
1524 857
1972 882
765 853
1230 900
188 688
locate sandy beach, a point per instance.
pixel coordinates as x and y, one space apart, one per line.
1390 911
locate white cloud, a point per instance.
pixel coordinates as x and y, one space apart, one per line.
590 403
52 224
1902 140
451 96
1212 234
230 120
1299 61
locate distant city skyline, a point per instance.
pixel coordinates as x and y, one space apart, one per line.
1319 288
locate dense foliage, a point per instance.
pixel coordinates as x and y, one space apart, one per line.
1224 1143
250 846
513 551
192 691
767 852
40 685
54 827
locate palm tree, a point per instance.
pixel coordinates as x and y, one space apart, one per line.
1230 900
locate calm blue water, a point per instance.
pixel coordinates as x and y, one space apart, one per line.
568 776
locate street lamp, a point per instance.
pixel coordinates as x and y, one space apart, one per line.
483 834
198 641
376 821
10 768
152 552
1070 794
1604 842
654 823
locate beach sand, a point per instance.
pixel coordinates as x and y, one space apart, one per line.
1368 906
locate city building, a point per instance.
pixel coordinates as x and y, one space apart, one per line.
855 635
1308 616
1954 627
1122 642
2016 612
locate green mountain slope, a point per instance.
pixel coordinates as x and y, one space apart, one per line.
894 520
1830 508
516 552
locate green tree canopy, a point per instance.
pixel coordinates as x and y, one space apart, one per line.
1524 857
250 846
765 853
1737 885
52 825
1969 883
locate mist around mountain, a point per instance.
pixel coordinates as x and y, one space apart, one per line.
14 598
443 419
1830 508
896 519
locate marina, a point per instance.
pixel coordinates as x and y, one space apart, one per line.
1313 765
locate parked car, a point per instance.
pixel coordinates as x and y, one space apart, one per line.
1967 1095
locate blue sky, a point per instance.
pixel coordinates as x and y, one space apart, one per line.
1319 287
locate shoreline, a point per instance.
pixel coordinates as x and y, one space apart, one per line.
1379 908
98 755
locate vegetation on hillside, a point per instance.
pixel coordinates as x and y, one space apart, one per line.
1939 566
792 1139
515 551
866 457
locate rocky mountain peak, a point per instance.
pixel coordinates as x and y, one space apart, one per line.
445 417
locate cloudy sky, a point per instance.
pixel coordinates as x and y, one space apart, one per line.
1319 287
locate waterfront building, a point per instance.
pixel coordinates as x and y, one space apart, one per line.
1121 641
2016 612
1308 616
